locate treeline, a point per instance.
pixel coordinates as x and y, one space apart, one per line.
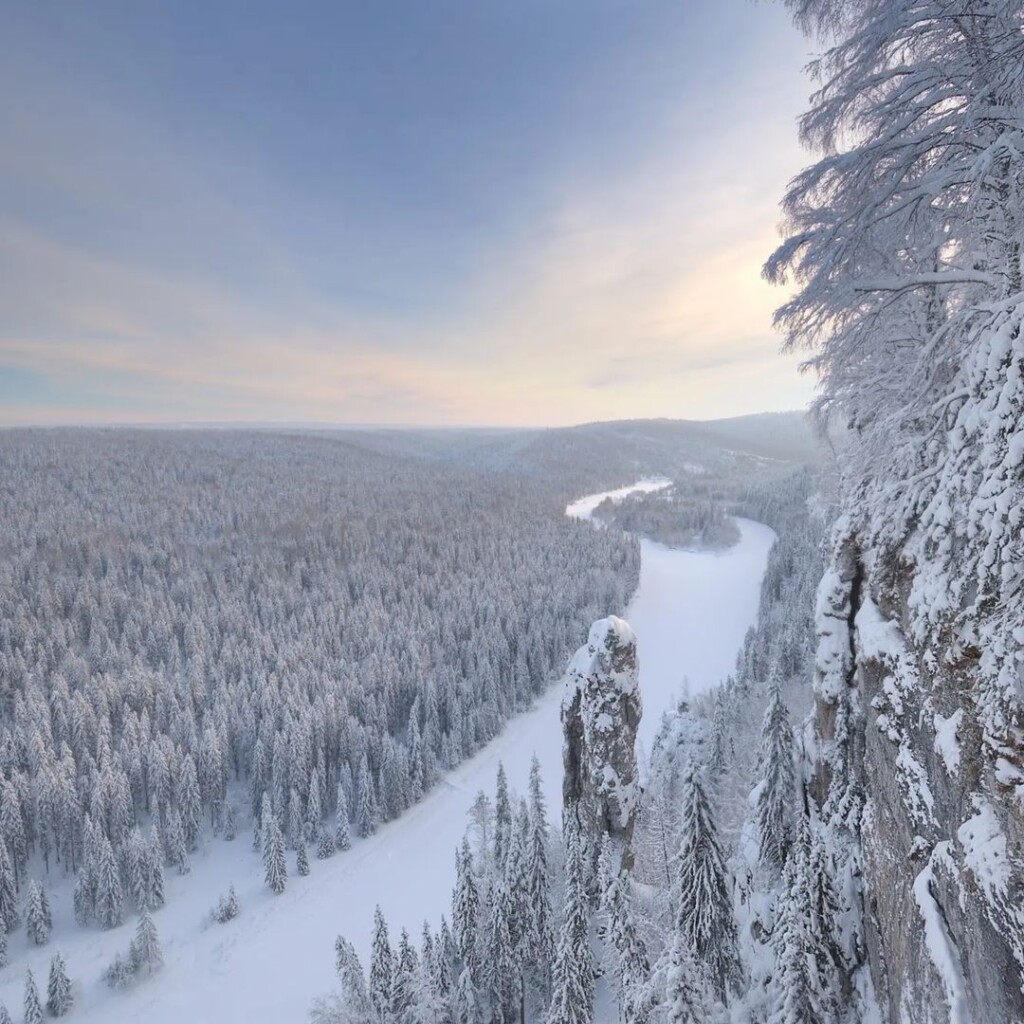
680 516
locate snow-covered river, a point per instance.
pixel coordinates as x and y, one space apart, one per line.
689 613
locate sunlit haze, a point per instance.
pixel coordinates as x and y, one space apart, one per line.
448 213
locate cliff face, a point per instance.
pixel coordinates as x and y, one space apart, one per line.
923 808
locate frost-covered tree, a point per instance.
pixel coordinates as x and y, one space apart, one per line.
33 1008
704 914
627 963
146 953
572 999
367 812
302 860
342 832
8 891
777 789
38 920
382 969
687 1000
465 908
109 893
58 990
275 870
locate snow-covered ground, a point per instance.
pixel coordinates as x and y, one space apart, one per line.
689 614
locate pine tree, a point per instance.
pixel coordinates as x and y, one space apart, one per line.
502 818
109 894
58 991
704 915
366 817
381 969
147 954
540 940
155 870
84 896
353 982
775 797
687 997
302 860
467 1000
403 986
176 843
5 1016
8 891
342 833
4 955
325 845
572 1000
465 908
628 963
33 1008
37 917
275 869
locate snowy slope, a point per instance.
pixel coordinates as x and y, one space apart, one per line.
689 613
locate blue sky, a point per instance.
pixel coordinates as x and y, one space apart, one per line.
545 211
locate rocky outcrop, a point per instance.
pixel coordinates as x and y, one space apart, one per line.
601 711
923 809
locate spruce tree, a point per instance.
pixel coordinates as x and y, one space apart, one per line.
775 797
8 891
37 916
704 915
5 1015
465 908
342 832
147 954
325 845
58 991
572 1000
502 818
4 955
628 963
302 860
687 998
366 817
33 1008
155 870
274 866
381 969
109 894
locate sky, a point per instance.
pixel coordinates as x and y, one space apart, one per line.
437 212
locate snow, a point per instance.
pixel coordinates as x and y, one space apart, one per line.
939 943
984 846
947 746
690 614
584 507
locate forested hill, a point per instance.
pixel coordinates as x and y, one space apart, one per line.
593 456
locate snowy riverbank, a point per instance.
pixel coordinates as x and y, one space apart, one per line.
690 613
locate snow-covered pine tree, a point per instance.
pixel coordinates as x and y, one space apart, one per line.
403 985
325 844
5 1014
366 811
8 891
540 941
4 954
146 953
58 991
342 830
109 894
777 790
687 999
37 918
467 1000
382 969
466 910
502 818
33 1008
302 859
274 867
155 895
627 962
572 999
704 914
355 994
